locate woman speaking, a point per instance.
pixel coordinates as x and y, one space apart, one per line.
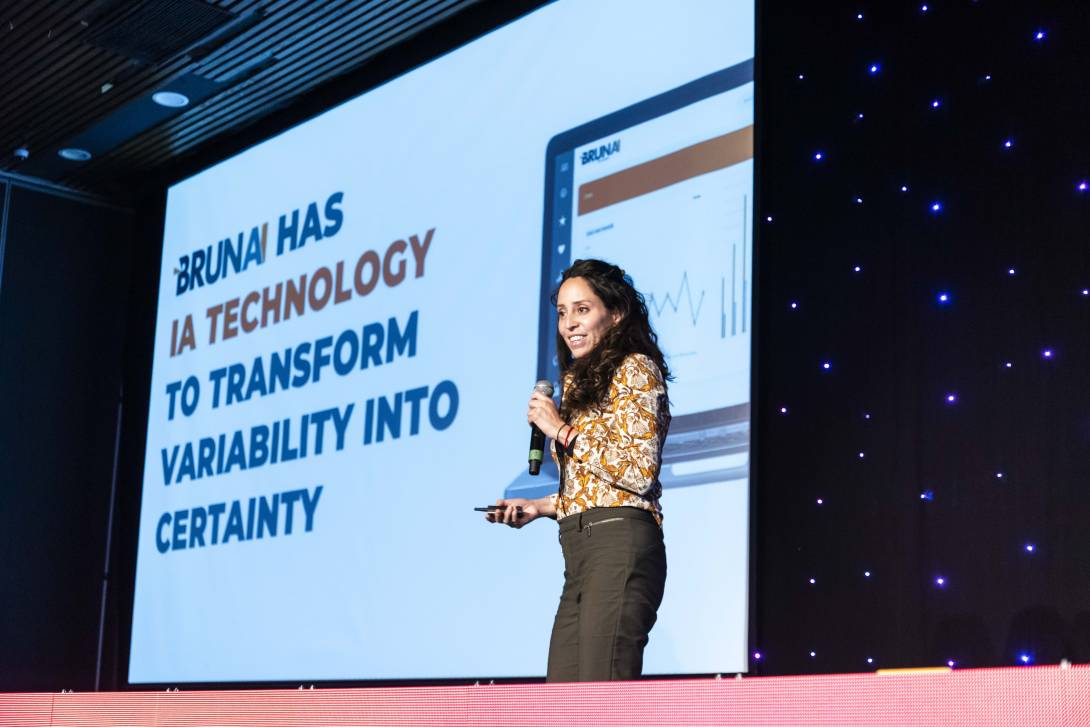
608 436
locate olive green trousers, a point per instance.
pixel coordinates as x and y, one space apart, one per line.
614 575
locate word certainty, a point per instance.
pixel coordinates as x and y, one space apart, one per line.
216 524
233 255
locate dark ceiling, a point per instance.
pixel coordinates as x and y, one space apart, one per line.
81 73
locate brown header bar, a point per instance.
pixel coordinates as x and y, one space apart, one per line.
692 161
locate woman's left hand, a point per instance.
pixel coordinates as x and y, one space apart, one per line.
543 413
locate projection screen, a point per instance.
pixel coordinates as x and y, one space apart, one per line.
352 314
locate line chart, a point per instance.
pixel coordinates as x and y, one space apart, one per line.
673 302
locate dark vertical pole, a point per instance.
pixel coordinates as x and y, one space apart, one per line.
109 539
4 229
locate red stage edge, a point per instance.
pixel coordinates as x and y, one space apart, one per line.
1038 696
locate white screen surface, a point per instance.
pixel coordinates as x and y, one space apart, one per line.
687 243
416 213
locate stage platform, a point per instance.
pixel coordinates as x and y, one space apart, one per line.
1038 696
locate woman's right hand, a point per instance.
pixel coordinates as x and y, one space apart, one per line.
510 514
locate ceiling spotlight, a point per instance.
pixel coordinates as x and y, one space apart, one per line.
73 154
22 153
170 99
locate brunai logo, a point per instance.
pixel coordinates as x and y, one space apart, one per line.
601 153
206 265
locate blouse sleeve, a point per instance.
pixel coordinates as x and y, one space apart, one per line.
622 446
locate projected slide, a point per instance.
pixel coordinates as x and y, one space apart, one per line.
665 185
352 315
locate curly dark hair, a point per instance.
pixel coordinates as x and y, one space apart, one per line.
593 373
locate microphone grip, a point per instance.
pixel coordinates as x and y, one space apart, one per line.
537 449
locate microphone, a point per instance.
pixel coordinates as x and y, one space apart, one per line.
537 437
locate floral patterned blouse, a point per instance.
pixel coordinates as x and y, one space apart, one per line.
614 460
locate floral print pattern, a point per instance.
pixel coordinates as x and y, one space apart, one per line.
614 460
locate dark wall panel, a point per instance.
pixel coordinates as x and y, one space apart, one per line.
136 371
62 297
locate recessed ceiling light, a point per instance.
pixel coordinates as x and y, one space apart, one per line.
170 99
74 155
